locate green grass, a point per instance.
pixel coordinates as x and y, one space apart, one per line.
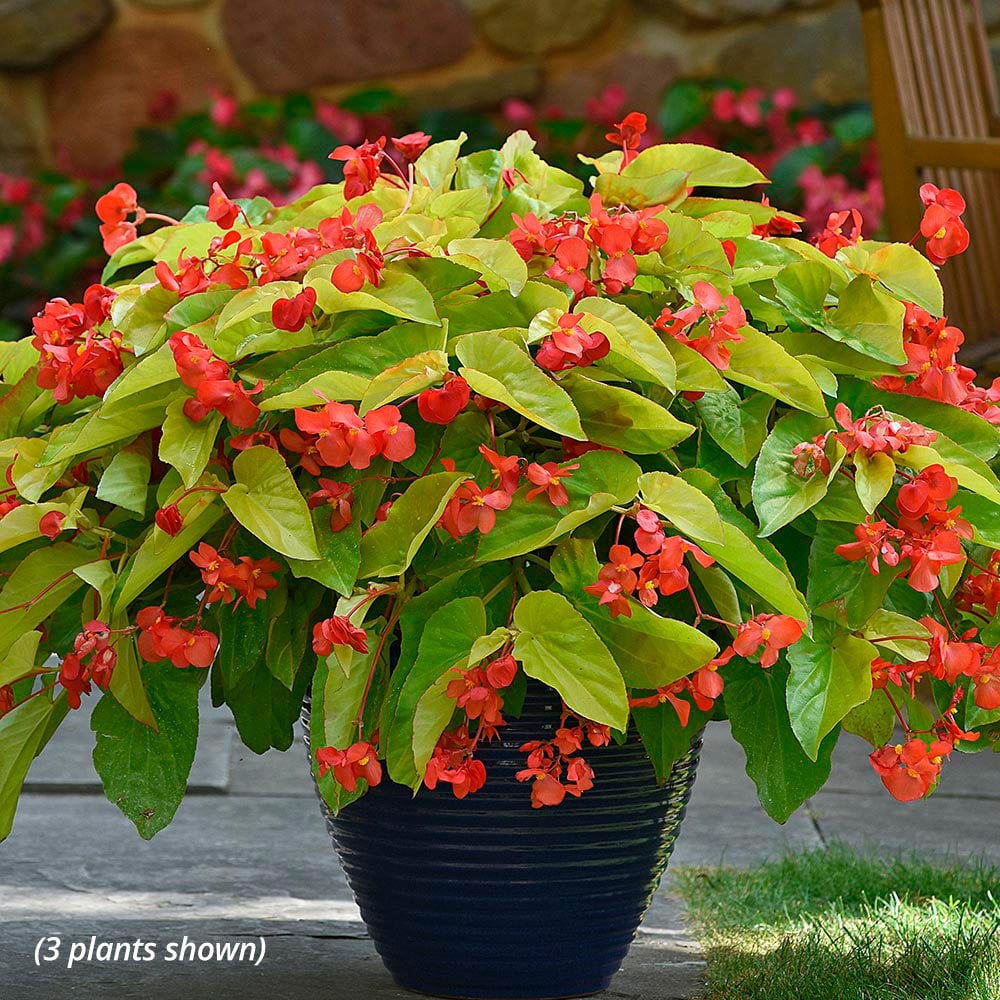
832 925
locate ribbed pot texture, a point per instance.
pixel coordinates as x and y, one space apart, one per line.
489 898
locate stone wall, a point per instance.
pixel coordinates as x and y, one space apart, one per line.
77 76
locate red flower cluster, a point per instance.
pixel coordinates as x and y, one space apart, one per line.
554 769
570 346
941 224
440 405
932 370
982 589
359 760
875 433
195 275
477 692
833 237
338 631
929 534
909 771
247 580
661 567
221 209
208 375
606 241
162 638
362 166
341 437
93 659
704 686
76 359
114 209
765 634
724 325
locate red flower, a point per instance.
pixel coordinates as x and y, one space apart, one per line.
226 396
909 771
548 479
649 536
501 672
51 524
361 166
612 594
340 435
291 314
833 237
196 648
628 134
350 275
570 267
394 439
987 683
477 508
6 699
452 762
338 631
195 361
773 632
221 210
304 446
945 233
74 678
339 497
440 405
412 144
874 541
359 760
113 209
169 519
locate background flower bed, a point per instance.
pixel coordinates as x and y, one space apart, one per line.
819 157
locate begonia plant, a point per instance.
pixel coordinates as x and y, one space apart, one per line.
436 430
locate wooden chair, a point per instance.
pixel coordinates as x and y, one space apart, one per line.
934 99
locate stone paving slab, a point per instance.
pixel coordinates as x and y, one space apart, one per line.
256 862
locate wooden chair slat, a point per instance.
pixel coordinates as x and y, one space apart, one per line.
936 107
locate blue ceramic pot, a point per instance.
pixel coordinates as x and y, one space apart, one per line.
488 898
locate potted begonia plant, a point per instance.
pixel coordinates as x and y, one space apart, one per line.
517 483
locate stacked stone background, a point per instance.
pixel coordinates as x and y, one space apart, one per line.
77 76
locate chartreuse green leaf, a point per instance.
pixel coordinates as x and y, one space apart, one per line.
340 387
399 294
139 251
738 426
244 325
188 444
753 560
497 261
126 685
145 771
43 580
435 166
908 274
684 505
603 480
505 372
446 640
389 546
558 646
125 482
829 674
779 493
159 551
873 721
22 523
762 363
636 349
703 165
884 625
621 418
784 774
336 701
869 320
139 312
152 370
21 658
651 651
873 477
643 187
21 732
404 379
266 501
